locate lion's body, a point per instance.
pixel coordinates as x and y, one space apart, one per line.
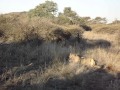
75 59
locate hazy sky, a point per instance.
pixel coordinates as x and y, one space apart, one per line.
104 8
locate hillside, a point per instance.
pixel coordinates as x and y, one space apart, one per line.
41 53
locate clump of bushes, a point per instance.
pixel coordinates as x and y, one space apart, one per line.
35 27
86 27
62 19
60 34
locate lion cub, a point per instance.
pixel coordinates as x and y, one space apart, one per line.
75 59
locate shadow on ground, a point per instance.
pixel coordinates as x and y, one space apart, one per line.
91 44
31 51
99 79
35 54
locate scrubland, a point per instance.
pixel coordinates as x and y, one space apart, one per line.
34 55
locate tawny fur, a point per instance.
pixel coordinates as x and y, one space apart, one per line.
75 59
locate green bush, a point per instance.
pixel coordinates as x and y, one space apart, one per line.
62 19
47 9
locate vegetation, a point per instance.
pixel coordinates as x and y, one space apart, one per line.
35 50
47 9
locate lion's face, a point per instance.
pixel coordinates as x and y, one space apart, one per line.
74 58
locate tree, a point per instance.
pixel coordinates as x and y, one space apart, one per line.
63 19
100 20
72 15
69 13
47 9
69 17
86 18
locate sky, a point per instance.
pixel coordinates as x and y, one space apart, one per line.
93 8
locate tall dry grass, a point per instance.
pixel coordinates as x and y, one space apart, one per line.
34 64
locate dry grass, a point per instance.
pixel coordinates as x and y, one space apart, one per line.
105 57
31 62
108 28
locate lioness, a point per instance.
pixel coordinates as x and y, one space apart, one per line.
74 59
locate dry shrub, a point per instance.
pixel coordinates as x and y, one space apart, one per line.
16 25
86 27
59 35
13 26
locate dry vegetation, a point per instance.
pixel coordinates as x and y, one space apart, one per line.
34 55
